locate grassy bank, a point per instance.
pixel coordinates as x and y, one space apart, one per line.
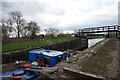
22 45
95 36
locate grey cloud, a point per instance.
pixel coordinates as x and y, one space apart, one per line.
27 8
7 5
31 9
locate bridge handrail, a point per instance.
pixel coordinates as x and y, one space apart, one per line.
104 28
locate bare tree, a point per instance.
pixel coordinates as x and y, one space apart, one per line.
7 27
24 31
32 29
10 26
18 20
51 31
4 28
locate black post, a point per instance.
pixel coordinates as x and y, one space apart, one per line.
108 32
118 31
114 28
103 29
79 32
116 34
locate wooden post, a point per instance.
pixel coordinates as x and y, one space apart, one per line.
118 29
116 34
98 29
103 28
92 29
114 28
108 32
79 32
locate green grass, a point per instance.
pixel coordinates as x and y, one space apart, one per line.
95 36
22 45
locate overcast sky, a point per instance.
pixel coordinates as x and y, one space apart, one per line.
66 14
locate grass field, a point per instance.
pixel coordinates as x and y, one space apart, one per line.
22 45
95 36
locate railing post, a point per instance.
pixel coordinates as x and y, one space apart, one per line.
92 29
116 34
79 32
108 32
114 28
103 28
118 29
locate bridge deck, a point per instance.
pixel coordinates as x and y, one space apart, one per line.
101 29
108 29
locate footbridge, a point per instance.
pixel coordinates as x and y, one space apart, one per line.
105 29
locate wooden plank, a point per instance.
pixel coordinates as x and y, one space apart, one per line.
84 75
44 69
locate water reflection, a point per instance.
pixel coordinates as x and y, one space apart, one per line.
94 41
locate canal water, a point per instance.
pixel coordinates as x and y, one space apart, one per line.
91 42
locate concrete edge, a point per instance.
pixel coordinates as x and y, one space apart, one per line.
84 74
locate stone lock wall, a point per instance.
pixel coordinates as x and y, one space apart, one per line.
76 44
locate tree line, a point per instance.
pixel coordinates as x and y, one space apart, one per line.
17 24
